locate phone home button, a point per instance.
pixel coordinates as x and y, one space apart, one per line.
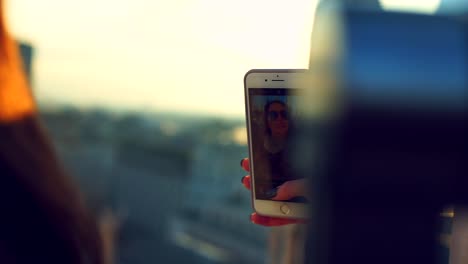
285 209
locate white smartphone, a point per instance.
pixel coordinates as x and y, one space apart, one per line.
271 99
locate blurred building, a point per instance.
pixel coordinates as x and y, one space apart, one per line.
217 208
27 53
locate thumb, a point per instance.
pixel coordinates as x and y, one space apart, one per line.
291 189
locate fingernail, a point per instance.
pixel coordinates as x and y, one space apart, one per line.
242 179
242 162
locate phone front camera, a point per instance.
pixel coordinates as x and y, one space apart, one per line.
266 80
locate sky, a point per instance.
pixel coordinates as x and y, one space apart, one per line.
172 55
159 55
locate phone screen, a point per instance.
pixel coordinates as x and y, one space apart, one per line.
272 115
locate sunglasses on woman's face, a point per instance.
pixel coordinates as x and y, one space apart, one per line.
274 115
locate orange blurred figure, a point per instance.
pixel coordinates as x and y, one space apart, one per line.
15 97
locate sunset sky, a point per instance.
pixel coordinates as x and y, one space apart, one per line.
171 55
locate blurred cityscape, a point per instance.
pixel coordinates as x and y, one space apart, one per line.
172 181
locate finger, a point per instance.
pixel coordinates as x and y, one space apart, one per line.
245 164
273 221
291 189
283 192
246 181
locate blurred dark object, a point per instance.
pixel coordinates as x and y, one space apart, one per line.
27 53
389 150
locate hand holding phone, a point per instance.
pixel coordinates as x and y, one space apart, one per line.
271 109
266 220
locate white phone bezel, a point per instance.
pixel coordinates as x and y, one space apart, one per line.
258 80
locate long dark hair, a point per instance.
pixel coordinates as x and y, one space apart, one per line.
43 218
